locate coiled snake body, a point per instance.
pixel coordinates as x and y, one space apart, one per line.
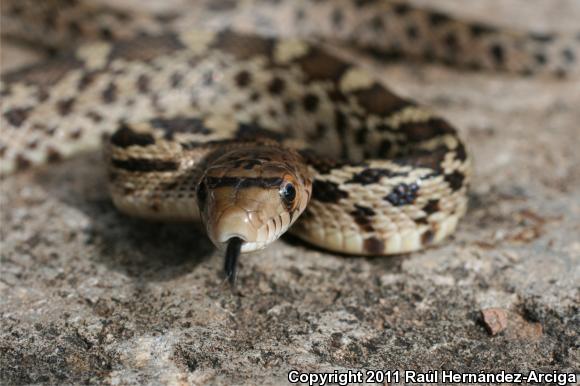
251 131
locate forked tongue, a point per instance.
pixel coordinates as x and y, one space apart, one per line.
232 253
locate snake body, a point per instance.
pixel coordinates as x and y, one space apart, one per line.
249 131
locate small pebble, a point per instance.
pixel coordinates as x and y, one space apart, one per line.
494 319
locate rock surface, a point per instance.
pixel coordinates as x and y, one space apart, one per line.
88 295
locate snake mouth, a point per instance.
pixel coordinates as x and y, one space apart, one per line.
235 223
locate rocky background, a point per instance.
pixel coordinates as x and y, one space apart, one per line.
91 296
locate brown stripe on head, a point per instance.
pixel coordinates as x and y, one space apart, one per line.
243 182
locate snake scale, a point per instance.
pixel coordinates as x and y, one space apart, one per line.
251 131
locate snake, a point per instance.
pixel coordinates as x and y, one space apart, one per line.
255 133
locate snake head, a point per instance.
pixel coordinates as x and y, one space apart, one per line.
253 194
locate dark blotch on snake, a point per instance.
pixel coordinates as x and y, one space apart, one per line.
145 48
412 32
422 131
498 54
377 23
22 162
52 155
171 126
125 137
276 86
243 46
402 194
436 19
175 79
363 3
143 83
252 132
310 102
378 100
145 165
44 74
421 220
384 148
374 245
451 42
94 116
460 152
327 191
362 216
426 158
319 65
243 78
76 133
401 9
478 29
65 106
568 55
427 237
337 17
455 180
541 37
540 58
86 80
323 165
17 116
373 175
431 207
341 127
110 93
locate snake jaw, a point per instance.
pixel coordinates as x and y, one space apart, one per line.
233 222
238 223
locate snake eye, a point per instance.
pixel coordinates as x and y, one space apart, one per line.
288 193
